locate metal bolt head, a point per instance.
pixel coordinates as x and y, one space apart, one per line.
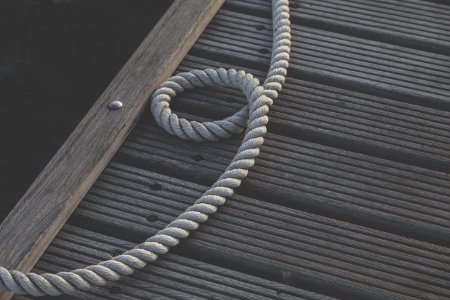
115 105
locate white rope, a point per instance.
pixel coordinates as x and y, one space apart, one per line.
253 116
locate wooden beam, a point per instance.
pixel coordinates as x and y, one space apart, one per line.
45 207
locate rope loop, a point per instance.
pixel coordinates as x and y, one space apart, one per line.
205 131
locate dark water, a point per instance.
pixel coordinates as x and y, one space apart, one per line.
56 58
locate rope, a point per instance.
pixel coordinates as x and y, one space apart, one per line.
253 116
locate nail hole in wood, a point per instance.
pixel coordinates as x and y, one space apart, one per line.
260 27
197 157
156 187
286 276
114 289
264 51
152 218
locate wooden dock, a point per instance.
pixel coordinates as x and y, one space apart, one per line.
350 197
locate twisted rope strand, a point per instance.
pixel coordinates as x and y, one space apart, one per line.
253 117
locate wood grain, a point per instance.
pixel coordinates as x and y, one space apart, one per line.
362 64
343 216
249 234
171 276
416 24
370 191
47 204
339 117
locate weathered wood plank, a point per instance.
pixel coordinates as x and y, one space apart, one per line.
379 193
361 64
343 118
172 276
56 192
417 24
343 259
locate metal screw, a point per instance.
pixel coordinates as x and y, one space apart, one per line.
115 105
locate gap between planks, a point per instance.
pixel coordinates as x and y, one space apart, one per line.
266 239
421 25
342 118
374 192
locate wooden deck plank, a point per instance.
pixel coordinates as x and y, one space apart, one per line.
395 197
346 259
378 126
367 65
171 277
47 204
418 24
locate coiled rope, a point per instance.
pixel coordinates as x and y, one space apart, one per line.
253 116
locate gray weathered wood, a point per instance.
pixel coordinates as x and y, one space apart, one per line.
314 212
172 276
376 192
363 64
379 126
47 204
415 23
349 260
